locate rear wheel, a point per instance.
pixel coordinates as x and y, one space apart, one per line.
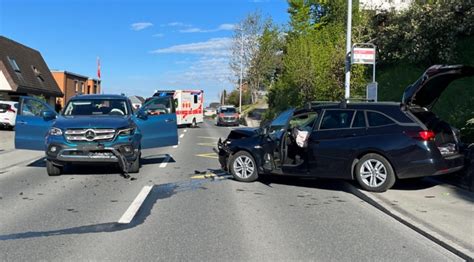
374 173
194 124
243 167
52 169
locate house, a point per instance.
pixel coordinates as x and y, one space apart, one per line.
23 71
72 84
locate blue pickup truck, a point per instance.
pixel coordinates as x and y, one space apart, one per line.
95 129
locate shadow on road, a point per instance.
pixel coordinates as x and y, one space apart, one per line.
103 168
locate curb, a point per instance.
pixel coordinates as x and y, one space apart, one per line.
407 221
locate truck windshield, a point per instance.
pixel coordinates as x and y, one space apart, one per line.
117 107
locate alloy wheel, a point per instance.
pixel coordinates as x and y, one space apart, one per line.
373 173
243 167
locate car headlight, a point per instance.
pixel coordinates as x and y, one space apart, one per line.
54 131
126 131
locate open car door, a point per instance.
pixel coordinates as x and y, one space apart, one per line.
276 131
156 120
33 121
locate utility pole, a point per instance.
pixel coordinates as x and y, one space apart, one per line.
241 68
347 82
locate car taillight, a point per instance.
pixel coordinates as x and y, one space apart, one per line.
10 109
425 135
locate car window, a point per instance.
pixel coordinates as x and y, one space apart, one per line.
280 121
4 107
33 107
377 119
337 119
228 110
90 107
158 106
359 120
304 122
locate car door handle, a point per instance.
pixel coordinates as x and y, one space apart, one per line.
169 120
350 135
22 122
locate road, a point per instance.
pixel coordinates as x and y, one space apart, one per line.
190 216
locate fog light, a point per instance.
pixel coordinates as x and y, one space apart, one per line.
53 149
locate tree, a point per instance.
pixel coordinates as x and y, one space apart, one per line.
245 45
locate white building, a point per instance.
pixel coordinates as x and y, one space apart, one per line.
384 5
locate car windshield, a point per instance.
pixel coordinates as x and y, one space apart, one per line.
90 107
228 110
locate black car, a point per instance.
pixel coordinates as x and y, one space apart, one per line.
374 143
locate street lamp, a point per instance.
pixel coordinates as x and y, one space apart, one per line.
347 80
241 68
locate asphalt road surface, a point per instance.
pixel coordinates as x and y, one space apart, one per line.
197 217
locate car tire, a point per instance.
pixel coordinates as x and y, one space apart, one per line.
243 167
52 169
374 173
135 166
194 123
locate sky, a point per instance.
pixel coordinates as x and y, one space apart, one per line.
142 45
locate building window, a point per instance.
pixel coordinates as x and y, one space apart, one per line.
76 86
14 64
82 88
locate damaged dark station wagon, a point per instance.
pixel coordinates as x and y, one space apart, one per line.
375 143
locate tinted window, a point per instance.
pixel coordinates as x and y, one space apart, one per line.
337 119
377 119
229 110
304 122
281 121
33 108
359 119
159 106
195 99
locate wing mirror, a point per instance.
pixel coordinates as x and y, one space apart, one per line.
142 114
48 115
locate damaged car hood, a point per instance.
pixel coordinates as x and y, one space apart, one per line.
429 87
243 133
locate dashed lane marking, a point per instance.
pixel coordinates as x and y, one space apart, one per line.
185 130
207 144
181 136
135 206
165 161
208 137
208 155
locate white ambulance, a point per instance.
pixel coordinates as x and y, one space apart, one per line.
189 105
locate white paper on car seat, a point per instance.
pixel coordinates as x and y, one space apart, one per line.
302 138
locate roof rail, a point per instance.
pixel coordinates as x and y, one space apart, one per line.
310 105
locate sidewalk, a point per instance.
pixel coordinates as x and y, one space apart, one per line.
441 212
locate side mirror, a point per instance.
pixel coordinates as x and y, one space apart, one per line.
48 115
142 114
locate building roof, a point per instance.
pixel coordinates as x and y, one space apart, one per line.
31 65
70 73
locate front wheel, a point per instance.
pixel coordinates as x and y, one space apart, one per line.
52 169
243 167
374 173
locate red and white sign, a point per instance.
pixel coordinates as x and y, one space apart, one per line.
363 55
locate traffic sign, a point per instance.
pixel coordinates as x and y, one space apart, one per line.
363 55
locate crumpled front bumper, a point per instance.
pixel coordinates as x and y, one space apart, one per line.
223 152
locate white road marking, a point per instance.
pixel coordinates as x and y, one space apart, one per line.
181 136
135 206
185 130
165 162
175 146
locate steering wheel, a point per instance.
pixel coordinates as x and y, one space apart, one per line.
116 111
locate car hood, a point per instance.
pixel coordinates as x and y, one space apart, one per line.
115 122
245 132
429 87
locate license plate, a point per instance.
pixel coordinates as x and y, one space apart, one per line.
101 155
